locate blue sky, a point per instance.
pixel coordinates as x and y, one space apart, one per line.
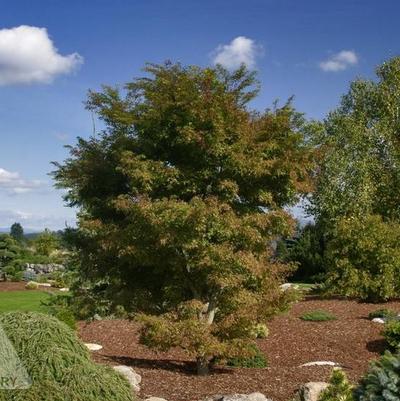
311 49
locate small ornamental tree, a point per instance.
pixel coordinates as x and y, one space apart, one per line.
339 388
180 198
45 243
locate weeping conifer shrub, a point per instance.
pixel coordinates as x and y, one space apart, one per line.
58 364
382 381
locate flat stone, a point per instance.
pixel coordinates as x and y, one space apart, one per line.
44 284
319 363
239 397
155 399
288 286
93 347
133 378
64 289
311 391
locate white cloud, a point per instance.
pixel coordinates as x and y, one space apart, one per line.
13 184
240 50
339 61
28 55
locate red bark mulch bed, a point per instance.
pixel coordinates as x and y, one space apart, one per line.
12 286
8 286
351 340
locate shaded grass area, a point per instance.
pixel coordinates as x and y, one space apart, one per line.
23 301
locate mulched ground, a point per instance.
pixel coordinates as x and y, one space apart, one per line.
10 286
351 340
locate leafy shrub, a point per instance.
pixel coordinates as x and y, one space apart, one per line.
255 360
66 316
13 273
58 363
260 330
318 316
42 278
339 388
364 259
31 285
59 306
391 333
383 314
382 381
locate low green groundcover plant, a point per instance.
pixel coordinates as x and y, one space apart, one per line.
256 360
383 313
318 316
58 364
391 333
382 382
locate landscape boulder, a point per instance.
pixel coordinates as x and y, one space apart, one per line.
239 397
311 391
133 378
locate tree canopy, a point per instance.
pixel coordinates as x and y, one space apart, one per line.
180 197
359 146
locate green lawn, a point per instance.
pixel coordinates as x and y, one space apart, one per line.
25 301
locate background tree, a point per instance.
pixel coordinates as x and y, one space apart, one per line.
11 253
17 232
307 251
9 249
357 182
359 150
179 199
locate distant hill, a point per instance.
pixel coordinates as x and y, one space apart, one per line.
28 233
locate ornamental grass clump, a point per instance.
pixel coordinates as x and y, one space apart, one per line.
57 363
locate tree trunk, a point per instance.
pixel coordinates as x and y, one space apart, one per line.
202 366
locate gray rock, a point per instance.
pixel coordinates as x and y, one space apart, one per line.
311 391
133 378
43 268
239 397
